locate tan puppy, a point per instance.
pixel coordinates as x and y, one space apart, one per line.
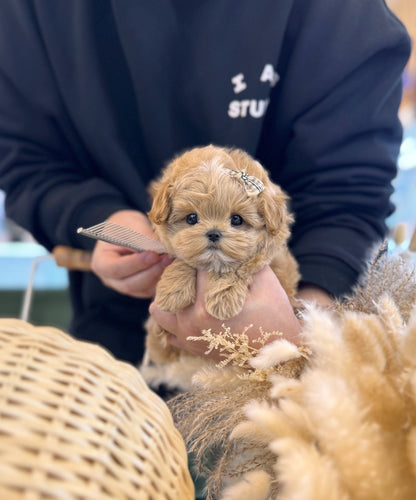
216 209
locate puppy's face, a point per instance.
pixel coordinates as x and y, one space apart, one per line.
206 217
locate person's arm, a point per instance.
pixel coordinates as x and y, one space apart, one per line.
334 115
50 182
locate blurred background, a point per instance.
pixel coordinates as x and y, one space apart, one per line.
25 265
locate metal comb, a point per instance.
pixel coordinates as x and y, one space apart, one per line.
122 236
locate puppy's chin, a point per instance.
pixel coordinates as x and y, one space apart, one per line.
200 255
234 248
222 257
213 259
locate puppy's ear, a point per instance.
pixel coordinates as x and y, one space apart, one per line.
273 208
160 191
272 202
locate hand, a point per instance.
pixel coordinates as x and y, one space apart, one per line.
314 294
266 306
126 271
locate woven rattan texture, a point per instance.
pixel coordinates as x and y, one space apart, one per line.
77 424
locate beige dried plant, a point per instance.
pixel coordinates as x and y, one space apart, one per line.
347 430
335 419
392 275
207 415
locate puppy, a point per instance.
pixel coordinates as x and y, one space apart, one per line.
216 209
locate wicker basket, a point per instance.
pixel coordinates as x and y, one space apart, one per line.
76 424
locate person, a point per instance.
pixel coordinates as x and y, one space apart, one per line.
95 98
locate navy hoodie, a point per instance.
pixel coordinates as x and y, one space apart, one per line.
96 96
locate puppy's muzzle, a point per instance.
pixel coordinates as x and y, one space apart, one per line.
213 235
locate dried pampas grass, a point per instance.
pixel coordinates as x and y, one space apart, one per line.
208 413
391 275
349 429
335 419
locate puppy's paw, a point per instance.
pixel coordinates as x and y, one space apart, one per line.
174 300
176 288
227 302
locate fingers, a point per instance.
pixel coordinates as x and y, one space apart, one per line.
201 284
140 285
133 219
112 263
179 330
263 281
267 308
130 273
165 319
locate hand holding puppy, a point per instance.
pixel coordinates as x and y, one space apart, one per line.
126 271
267 306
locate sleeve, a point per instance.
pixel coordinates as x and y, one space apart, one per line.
337 107
51 189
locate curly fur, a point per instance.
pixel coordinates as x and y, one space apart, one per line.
250 232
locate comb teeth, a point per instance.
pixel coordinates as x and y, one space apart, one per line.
122 236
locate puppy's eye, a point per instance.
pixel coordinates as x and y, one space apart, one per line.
236 220
192 219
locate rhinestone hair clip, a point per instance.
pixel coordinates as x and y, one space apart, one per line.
252 185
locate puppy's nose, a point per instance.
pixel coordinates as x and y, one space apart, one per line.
213 235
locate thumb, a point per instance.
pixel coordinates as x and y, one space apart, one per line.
201 284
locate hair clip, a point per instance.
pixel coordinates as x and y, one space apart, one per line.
252 185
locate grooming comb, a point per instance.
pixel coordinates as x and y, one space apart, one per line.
122 236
